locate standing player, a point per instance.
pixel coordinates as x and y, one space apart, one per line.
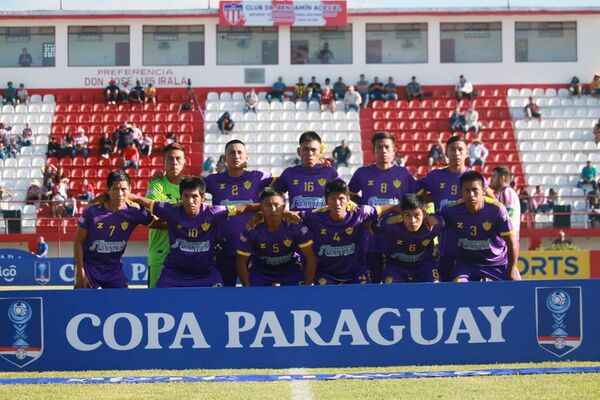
306 182
102 235
233 187
377 185
409 237
500 182
193 235
487 247
444 188
338 232
273 247
165 189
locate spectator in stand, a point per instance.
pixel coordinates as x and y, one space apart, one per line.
477 153
413 89
137 93
48 171
538 200
34 193
325 55
57 203
146 145
327 102
25 58
341 154
400 159
131 157
122 137
472 120
339 89
136 134
362 87
26 135
593 200
221 164
13 148
53 148
111 92
524 200
551 200
352 99
464 88
457 121
4 129
327 85
47 188
376 90
251 100
126 88
316 89
299 89
575 87
41 250
87 191
106 145
81 143
70 206
189 100
170 138
63 187
22 95
278 91
67 146
225 123
532 110
597 132
561 239
150 94
5 194
60 175
311 95
588 175
595 86
437 154
3 151
208 167
10 94
391 90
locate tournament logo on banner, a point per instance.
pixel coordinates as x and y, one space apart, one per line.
233 13
42 272
21 330
559 319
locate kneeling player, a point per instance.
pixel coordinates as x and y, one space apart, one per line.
409 238
102 235
338 233
487 246
193 233
273 246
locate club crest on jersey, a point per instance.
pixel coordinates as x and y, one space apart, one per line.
21 330
397 183
426 242
559 319
287 243
487 225
124 225
205 226
322 281
389 279
322 181
349 230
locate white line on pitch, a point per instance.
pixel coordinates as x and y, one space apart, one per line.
300 389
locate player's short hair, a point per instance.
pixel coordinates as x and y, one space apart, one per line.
471 176
270 192
456 138
234 141
192 183
117 176
173 146
380 136
309 136
501 170
412 201
336 186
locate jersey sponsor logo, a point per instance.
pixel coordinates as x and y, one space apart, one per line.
322 181
376 201
124 225
474 245
191 247
409 258
487 225
337 251
227 202
397 183
287 243
322 281
301 202
559 319
24 319
247 185
445 203
278 260
103 246
205 226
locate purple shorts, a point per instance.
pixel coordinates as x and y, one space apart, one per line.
393 274
360 279
479 273
446 268
261 277
114 280
227 269
171 278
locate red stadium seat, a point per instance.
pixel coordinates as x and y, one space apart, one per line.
402 104
58 130
103 162
390 115
96 129
162 107
91 161
148 117
157 160
74 98
390 104
76 173
173 128
103 173
189 128
84 119
379 126
377 105
73 108
378 115
58 119
148 128
66 162
79 162
160 128
110 118
99 108
144 173
136 107
160 117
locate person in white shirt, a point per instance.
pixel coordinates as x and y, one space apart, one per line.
146 145
500 182
81 143
464 88
352 99
477 153
251 101
472 120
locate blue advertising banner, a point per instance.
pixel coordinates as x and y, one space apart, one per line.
282 327
21 268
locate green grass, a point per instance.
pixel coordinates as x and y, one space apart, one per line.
567 386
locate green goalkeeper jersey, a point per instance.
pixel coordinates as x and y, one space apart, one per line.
158 240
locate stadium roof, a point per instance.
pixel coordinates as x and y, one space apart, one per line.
24 8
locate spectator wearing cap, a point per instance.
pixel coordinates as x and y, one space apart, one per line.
339 89
588 175
477 153
111 92
414 90
532 110
464 88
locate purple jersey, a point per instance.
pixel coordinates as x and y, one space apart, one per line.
339 244
479 235
408 250
192 239
107 235
275 253
233 191
305 186
444 187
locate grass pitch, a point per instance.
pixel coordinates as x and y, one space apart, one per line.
560 387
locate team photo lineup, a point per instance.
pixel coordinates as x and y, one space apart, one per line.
382 226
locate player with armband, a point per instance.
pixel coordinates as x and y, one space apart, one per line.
487 247
338 231
102 234
193 234
272 248
409 236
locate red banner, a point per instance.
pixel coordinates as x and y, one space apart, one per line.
283 13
